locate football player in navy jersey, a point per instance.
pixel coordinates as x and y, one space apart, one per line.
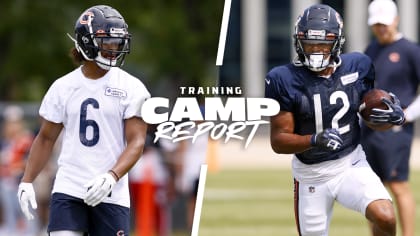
319 95
397 66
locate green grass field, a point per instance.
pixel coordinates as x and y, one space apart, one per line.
260 202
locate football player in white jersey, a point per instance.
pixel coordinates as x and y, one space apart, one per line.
97 107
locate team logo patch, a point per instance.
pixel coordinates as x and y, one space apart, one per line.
311 189
394 57
350 78
115 92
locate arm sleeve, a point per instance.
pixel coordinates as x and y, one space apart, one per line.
368 74
415 60
276 90
412 112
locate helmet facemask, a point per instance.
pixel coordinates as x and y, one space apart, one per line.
111 50
319 25
317 54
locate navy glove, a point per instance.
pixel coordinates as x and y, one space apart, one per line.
393 115
329 139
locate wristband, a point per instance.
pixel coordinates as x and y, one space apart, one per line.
114 174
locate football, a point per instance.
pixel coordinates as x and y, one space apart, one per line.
373 99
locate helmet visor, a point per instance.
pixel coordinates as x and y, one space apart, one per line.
316 53
113 47
317 46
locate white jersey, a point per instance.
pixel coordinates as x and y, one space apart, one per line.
93 114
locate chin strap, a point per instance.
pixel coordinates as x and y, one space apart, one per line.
336 64
297 62
102 66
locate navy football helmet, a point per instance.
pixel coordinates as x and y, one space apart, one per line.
102 36
319 24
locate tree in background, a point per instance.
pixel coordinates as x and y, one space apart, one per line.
174 43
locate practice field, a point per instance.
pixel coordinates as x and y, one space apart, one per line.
260 202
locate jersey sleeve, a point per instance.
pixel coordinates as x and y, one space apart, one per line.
415 60
275 89
370 77
52 108
366 70
135 99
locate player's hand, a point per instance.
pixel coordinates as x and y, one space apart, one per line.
26 196
98 189
393 115
329 139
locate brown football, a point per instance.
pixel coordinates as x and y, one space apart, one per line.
373 99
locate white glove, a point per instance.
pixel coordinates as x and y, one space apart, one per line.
26 195
98 189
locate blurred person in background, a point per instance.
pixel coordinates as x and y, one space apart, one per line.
149 183
97 106
397 67
192 155
15 143
319 95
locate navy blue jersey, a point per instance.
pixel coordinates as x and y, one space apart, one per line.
397 68
319 103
